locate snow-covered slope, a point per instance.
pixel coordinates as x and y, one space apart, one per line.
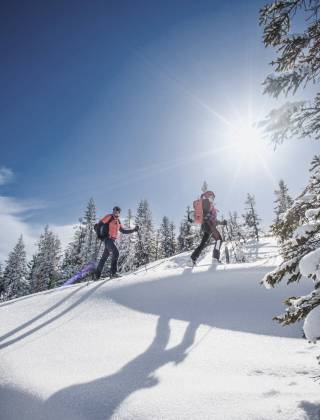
169 342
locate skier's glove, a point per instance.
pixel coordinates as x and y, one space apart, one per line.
224 222
136 228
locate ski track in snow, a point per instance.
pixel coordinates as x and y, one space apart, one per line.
172 342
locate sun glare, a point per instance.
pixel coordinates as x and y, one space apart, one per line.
247 150
247 142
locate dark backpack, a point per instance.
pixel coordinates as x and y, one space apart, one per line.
102 230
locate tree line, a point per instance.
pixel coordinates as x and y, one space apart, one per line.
50 266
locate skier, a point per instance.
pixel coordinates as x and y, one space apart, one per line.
107 230
206 214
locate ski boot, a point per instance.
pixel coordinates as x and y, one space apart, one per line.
193 262
115 276
216 256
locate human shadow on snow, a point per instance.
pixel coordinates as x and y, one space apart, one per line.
99 399
19 404
312 411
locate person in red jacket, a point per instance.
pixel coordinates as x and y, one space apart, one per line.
108 229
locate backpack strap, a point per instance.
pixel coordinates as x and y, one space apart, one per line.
107 218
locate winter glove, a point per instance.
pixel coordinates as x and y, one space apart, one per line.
224 222
136 228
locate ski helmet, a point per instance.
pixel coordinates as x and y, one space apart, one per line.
116 208
208 194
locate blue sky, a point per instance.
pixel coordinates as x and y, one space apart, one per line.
121 101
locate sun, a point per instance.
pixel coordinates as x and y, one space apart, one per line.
246 151
247 142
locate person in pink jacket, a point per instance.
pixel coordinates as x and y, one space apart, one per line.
209 227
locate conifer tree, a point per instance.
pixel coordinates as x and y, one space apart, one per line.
283 203
235 235
90 241
72 261
126 246
1 282
296 65
45 270
181 238
145 243
235 227
14 276
30 269
172 239
204 187
283 200
251 219
165 236
301 253
187 234
157 245
84 246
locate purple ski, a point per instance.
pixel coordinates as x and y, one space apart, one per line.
87 269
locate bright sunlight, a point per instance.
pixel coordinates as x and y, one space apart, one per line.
246 141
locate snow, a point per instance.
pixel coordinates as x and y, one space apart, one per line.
310 264
311 325
304 231
313 213
306 198
169 342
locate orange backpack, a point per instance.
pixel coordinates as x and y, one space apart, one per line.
202 206
198 211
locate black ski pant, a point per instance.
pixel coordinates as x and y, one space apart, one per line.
203 243
109 247
201 246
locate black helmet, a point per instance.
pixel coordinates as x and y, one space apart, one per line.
116 208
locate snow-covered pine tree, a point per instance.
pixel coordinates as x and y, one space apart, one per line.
236 237
236 228
90 240
165 247
187 234
45 270
72 260
30 268
172 239
145 243
1 282
84 246
301 253
15 272
126 246
204 187
296 66
157 243
251 219
181 238
283 202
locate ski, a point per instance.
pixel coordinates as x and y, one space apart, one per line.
87 269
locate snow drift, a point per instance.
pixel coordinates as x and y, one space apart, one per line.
165 343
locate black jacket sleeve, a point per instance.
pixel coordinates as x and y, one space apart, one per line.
126 231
